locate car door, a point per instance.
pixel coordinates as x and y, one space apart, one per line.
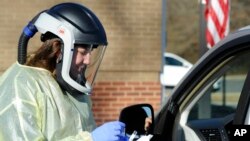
194 111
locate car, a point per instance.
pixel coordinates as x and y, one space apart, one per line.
193 111
174 70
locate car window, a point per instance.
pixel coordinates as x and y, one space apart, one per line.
172 61
221 98
210 107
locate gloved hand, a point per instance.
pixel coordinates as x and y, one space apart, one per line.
110 131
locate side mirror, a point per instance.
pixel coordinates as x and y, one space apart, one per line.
134 117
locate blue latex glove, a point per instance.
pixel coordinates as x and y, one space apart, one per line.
110 131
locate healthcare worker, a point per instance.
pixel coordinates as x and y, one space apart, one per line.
45 95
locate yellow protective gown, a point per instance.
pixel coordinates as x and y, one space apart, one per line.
34 108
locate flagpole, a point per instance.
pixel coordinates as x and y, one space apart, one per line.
202 36
204 104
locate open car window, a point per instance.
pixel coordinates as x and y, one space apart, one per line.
220 102
207 114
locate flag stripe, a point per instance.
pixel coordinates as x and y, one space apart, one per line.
225 8
209 38
213 31
215 19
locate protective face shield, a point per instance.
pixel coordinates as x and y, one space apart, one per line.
76 26
85 63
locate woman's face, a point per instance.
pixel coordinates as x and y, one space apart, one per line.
81 58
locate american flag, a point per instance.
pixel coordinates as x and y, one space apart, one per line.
217 18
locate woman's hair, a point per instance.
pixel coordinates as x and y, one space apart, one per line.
46 56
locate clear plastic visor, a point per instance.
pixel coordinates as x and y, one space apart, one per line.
85 63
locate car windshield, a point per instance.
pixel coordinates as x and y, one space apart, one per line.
172 61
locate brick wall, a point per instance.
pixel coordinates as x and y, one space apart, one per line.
110 97
130 70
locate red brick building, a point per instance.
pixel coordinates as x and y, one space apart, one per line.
130 70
